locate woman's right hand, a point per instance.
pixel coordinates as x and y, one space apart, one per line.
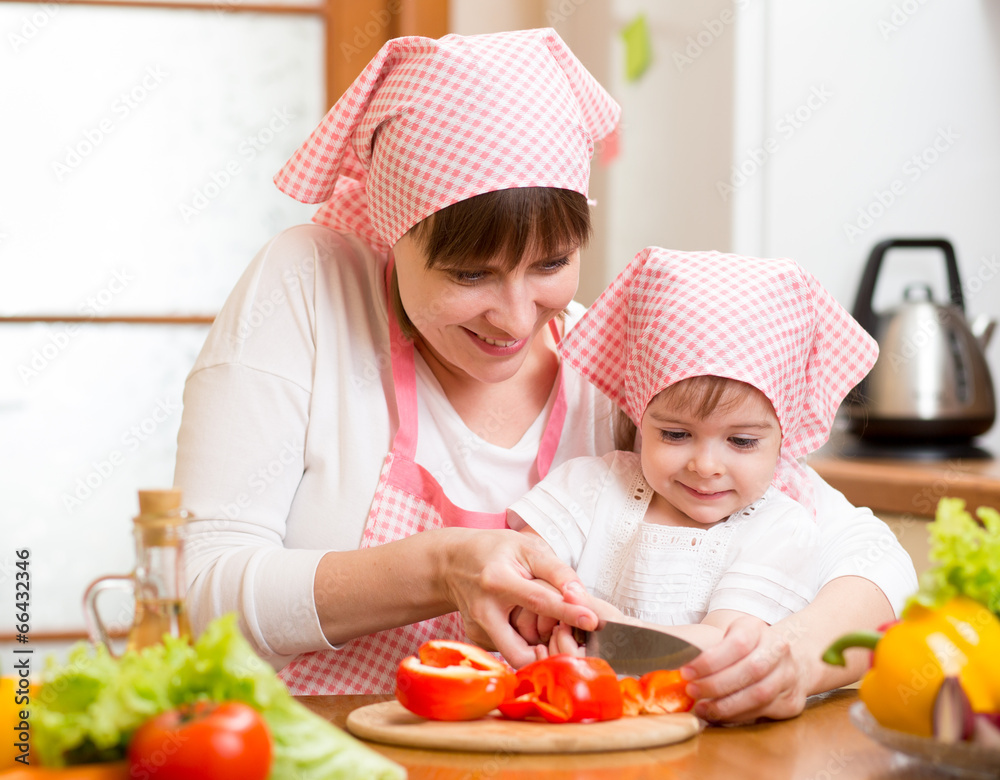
489 574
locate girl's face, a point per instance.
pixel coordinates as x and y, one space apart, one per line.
704 470
479 322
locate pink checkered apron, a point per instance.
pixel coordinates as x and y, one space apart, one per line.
408 500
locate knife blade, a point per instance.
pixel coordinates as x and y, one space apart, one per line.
635 650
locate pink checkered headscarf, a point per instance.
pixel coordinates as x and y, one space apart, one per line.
769 323
429 123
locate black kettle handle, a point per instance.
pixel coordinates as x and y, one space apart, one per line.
863 303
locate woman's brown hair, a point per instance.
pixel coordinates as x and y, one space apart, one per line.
504 224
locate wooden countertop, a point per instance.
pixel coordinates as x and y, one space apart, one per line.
907 487
822 742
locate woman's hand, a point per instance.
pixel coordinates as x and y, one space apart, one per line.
489 574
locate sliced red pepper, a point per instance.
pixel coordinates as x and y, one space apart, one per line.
451 680
565 689
655 693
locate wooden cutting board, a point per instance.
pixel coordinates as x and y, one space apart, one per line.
389 722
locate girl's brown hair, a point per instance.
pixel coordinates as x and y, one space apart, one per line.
703 395
504 224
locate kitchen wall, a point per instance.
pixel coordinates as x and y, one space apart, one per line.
796 128
877 120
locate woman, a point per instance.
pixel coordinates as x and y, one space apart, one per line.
360 418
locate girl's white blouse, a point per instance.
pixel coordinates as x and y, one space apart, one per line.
762 560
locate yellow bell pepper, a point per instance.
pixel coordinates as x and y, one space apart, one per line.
913 657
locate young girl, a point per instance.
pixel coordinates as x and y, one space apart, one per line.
731 368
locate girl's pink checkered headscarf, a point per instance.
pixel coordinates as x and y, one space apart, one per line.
769 323
429 123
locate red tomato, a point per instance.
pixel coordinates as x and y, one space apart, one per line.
452 681
203 741
655 693
565 689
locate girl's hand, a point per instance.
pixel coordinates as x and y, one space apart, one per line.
563 641
535 629
488 574
752 673
761 671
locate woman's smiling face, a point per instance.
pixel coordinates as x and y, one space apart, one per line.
479 320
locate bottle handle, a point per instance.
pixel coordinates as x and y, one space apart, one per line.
96 629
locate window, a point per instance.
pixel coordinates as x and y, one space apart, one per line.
137 157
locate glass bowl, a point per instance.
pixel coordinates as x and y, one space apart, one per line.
962 758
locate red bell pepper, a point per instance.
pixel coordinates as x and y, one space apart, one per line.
565 689
450 680
655 693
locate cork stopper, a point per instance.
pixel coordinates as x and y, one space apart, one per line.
161 521
159 502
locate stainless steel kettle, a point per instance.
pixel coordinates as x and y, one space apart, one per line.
930 391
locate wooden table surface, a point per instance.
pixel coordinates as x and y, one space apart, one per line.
821 744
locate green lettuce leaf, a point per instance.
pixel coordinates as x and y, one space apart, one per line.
89 707
965 552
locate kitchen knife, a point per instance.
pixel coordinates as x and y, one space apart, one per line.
635 650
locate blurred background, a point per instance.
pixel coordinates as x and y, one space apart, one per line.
140 139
